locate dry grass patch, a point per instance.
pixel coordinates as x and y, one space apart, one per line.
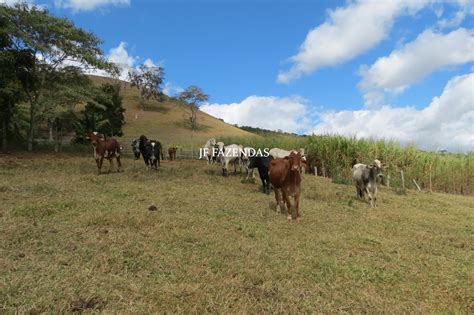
74 241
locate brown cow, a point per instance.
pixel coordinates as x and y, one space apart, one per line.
285 177
105 148
172 153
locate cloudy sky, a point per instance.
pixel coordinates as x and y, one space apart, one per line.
396 69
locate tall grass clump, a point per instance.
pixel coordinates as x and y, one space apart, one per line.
334 155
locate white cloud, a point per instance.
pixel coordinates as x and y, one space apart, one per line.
447 122
268 112
87 5
149 63
348 32
465 8
430 51
123 59
120 56
171 89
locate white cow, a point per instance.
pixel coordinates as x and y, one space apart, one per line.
231 155
365 180
208 149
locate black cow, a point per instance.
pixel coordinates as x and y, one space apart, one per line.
153 151
142 143
262 163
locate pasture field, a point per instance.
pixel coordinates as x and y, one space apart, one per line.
71 240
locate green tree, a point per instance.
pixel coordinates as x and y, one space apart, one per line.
53 42
148 81
14 66
103 114
59 112
193 97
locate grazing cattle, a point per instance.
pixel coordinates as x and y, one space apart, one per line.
285 176
136 148
153 151
172 153
365 179
247 152
208 150
262 163
231 156
105 148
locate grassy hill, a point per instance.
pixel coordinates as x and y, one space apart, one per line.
166 120
73 241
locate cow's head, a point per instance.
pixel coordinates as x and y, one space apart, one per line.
295 161
377 170
95 137
150 148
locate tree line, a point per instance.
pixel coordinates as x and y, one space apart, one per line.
43 81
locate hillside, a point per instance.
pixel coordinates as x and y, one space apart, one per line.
166 120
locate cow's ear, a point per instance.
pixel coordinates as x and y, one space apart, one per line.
286 158
87 137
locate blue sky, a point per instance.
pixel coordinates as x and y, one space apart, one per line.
394 69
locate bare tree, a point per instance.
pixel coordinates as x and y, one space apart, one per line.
148 80
193 96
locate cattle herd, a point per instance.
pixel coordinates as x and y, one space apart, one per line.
278 169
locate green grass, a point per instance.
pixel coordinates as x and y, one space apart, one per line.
74 241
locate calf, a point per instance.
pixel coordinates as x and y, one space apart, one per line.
172 153
262 163
105 148
153 151
365 179
285 177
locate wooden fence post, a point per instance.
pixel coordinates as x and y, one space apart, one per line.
315 171
403 180
431 187
416 184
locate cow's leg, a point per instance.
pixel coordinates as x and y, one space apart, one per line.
278 200
288 205
99 166
224 168
297 206
262 178
119 164
111 164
